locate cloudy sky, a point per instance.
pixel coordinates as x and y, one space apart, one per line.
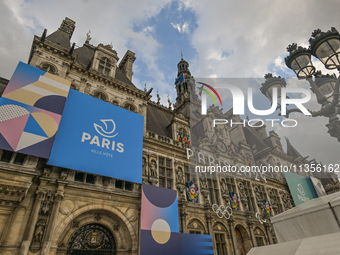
220 39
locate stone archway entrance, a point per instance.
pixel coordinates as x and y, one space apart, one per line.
92 239
240 242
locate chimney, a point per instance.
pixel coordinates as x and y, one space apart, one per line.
67 26
126 64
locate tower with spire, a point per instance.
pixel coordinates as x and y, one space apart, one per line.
185 85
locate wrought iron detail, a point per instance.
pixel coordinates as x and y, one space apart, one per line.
92 239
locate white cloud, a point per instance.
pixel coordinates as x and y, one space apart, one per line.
108 21
255 33
279 63
181 28
148 29
231 38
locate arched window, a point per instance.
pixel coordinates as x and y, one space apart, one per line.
100 95
260 237
240 242
104 66
130 107
48 68
74 87
92 239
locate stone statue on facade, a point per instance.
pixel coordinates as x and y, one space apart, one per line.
39 232
145 170
88 37
203 183
180 177
153 169
243 196
47 204
224 187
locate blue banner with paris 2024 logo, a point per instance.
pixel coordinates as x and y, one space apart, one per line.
99 138
300 187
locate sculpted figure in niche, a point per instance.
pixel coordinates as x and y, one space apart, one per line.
203 183
153 169
180 176
230 150
145 170
243 196
39 232
224 186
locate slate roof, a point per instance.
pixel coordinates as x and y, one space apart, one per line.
61 38
291 151
85 54
254 138
158 120
122 77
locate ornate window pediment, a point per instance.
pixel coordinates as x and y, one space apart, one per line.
219 227
196 225
100 95
129 107
48 68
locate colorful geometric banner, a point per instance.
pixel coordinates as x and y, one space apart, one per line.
160 226
100 138
93 136
30 110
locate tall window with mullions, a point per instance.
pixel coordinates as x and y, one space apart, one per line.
187 173
250 197
221 246
165 173
104 66
231 184
214 193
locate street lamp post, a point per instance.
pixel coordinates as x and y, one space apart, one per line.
326 47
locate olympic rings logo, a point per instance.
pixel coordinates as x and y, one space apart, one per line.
221 211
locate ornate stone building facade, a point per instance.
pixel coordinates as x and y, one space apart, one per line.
50 210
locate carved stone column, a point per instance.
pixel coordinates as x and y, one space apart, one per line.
7 226
250 225
183 205
205 194
28 236
281 202
209 218
139 223
233 234
257 202
53 219
181 188
239 194
269 234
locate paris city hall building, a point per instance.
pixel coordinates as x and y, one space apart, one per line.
51 210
